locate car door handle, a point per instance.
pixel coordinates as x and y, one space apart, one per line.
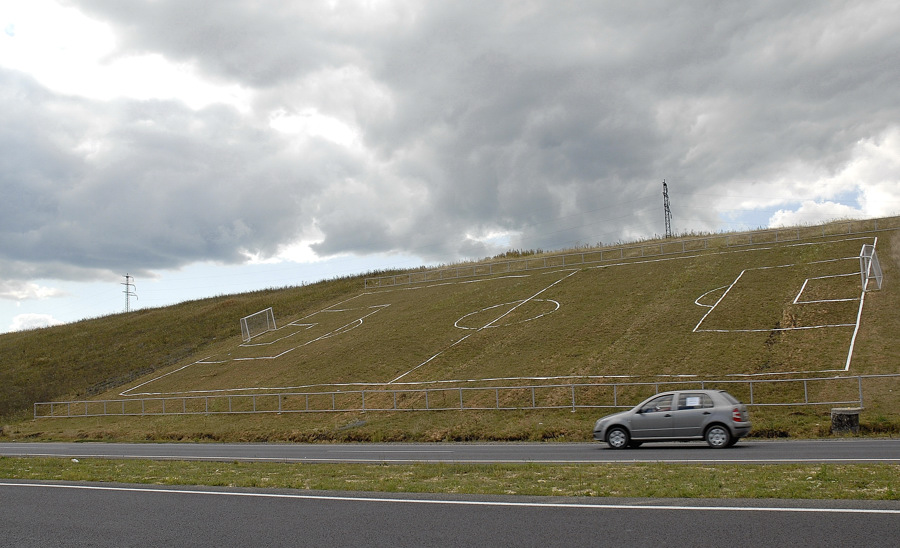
668 415
707 413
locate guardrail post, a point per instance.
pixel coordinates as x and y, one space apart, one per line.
751 392
496 398
859 383
460 399
364 401
573 398
805 393
533 405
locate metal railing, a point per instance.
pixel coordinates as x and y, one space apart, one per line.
656 249
754 392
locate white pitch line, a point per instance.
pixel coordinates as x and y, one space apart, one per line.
458 502
697 300
306 325
128 392
769 330
489 324
708 312
510 311
205 361
862 298
713 307
803 287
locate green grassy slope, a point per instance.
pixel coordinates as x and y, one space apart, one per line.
710 312
86 358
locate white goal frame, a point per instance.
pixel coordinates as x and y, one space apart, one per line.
869 267
257 323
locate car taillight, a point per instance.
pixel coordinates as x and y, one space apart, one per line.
736 415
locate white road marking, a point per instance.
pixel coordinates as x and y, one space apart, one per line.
457 502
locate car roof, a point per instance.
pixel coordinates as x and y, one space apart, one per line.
700 390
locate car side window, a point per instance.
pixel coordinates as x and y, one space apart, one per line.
662 403
694 401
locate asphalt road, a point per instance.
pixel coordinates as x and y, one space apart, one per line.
813 451
93 514
54 514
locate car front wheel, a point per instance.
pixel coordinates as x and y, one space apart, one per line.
718 437
617 438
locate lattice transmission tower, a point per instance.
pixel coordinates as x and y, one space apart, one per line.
130 291
667 210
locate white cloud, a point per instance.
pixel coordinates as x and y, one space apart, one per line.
312 123
810 213
19 291
23 322
872 176
875 169
73 54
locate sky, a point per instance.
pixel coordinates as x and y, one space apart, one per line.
210 147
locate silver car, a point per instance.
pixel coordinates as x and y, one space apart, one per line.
711 415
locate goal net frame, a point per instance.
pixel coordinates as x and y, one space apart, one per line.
869 267
257 323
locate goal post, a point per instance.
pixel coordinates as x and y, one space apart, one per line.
257 324
869 267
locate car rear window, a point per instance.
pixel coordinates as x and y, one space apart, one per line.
689 400
731 399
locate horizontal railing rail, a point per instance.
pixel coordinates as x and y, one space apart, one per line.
637 251
847 391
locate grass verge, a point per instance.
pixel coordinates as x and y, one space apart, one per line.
417 426
655 480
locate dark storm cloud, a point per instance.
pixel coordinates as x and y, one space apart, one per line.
260 43
552 121
146 185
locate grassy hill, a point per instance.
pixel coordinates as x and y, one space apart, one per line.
777 304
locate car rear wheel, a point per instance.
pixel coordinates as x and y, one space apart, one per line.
617 438
718 437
